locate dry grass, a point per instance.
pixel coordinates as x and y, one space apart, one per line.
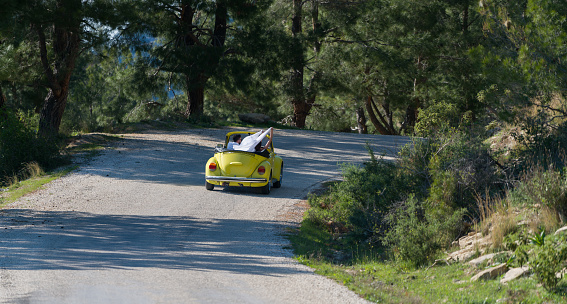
503 224
546 218
30 170
497 219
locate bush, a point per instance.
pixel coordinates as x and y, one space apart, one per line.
358 204
546 255
546 260
543 148
441 176
416 235
450 170
19 146
546 188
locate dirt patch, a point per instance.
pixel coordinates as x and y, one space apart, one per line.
295 213
88 139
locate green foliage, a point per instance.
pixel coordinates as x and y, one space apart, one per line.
450 169
543 147
19 145
539 239
436 119
416 235
211 51
410 57
49 36
547 259
359 203
546 255
546 188
107 91
524 59
414 206
332 115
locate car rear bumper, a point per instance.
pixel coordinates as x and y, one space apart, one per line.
230 179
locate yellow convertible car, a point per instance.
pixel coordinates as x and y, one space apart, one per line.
245 167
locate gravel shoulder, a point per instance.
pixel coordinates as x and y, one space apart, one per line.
136 225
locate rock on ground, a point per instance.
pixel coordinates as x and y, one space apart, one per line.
490 273
515 273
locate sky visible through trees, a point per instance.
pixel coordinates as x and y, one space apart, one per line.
383 66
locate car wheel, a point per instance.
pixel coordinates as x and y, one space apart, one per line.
266 189
278 184
209 186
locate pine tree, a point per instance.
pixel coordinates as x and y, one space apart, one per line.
525 60
204 41
397 58
58 30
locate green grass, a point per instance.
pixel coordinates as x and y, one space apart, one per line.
89 147
21 188
384 281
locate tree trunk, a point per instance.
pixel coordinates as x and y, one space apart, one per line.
302 97
377 124
51 114
2 102
412 110
219 34
195 99
300 111
196 85
361 121
66 45
466 19
316 25
298 96
410 119
2 98
383 126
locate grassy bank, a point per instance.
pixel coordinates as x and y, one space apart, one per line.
378 279
32 177
388 230
33 183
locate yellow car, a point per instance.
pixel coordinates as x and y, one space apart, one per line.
244 169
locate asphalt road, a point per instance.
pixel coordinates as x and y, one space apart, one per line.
136 225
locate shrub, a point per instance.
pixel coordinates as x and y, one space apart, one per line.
547 259
19 146
450 170
546 255
358 203
546 188
543 148
416 236
441 176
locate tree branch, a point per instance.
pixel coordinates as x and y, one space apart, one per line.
43 54
379 127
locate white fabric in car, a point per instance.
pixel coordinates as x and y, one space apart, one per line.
249 142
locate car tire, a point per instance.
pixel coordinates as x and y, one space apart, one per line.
209 186
278 184
266 189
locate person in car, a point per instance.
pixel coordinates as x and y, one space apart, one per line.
236 140
263 151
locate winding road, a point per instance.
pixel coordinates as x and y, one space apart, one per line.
136 225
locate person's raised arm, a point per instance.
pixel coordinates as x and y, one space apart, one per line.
269 139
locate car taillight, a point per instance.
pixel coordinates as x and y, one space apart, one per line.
212 166
261 170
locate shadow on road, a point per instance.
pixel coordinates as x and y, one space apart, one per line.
35 240
309 158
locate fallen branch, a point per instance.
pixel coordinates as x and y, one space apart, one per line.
436 261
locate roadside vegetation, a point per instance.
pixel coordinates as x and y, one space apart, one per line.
387 229
480 85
